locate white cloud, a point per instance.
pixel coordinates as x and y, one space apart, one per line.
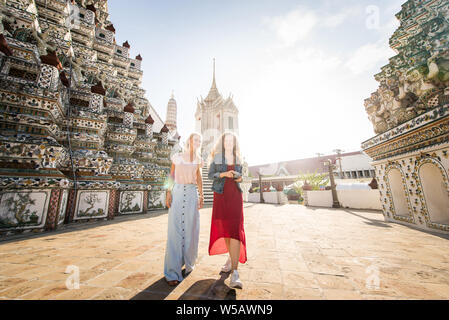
294 26
366 57
334 20
298 24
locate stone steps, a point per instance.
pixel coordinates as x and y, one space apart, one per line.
207 187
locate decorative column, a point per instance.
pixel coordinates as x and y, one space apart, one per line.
145 200
4 47
53 209
336 203
139 62
149 127
164 133
49 75
71 206
128 121
305 189
113 204
261 189
96 101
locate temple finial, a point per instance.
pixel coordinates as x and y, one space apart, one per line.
214 84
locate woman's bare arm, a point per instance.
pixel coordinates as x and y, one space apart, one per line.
199 179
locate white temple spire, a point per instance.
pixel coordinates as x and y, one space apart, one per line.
213 93
214 84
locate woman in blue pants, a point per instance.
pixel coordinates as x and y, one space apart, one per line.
184 199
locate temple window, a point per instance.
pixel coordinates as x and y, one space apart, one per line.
115 120
435 192
398 193
231 123
79 102
8 126
22 74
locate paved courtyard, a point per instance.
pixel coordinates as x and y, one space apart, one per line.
293 253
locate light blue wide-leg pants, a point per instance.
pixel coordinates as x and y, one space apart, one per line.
183 231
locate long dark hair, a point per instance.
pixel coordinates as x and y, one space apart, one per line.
220 147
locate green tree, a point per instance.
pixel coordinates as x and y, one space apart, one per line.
314 180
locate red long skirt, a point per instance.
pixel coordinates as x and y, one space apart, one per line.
227 220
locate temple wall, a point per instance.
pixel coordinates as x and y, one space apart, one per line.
410 115
92 204
131 202
78 139
415 189
352 199
156 200
24 209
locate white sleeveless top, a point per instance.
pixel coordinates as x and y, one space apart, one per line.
185 171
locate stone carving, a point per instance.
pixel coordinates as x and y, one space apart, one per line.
412 83
92 205
156 200
131 202
63 207
23 209
410 114
73 112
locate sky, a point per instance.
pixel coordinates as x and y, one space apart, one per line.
299 71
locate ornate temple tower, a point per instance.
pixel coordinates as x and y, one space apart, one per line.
410 115
172 111
214 116
78 138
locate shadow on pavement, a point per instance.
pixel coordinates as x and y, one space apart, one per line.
371 222
82 225
157 291
210 289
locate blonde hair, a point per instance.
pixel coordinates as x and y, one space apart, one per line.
188 146
219 147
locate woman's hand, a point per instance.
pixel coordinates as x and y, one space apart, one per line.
168 199
229 174
200 202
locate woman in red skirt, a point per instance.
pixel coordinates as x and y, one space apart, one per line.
227 233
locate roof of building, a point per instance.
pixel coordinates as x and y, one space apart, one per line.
309 165
165 129
110 28
213 92
129 108
149 120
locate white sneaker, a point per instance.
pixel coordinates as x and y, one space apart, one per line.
227 267
235 280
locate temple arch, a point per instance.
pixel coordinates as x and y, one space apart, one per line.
399 195
435 191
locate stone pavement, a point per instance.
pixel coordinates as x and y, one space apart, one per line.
293 253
